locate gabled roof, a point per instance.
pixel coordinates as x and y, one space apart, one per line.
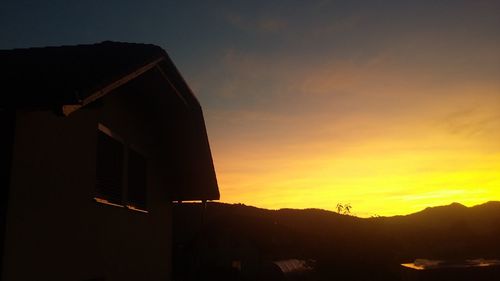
66 78
69 76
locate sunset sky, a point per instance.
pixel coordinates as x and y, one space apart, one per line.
391 106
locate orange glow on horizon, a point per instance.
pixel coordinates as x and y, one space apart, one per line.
383 183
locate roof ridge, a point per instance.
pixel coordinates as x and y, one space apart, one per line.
105 43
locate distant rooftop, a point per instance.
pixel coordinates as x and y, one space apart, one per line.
425 264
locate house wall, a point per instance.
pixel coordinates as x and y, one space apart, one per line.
55 229
7 125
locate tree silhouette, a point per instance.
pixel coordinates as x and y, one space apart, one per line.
344 209
347 209
340 208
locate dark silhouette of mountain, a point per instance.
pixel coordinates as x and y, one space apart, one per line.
356 248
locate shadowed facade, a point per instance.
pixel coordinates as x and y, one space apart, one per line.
98 141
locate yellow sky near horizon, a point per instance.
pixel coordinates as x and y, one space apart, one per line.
386 176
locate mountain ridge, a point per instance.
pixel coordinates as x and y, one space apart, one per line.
453 205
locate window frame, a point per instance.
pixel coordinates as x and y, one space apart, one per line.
125 201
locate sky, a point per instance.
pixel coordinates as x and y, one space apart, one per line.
390 106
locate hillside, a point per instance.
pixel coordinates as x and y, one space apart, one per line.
338 242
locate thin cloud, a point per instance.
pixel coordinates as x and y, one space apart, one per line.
472 121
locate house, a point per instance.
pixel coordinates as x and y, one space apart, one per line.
97 142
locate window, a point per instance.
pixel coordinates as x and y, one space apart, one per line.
109 169
121 173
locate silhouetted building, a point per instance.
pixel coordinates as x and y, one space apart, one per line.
97 141
438 270
287 270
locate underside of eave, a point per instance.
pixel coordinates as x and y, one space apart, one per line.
67 109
